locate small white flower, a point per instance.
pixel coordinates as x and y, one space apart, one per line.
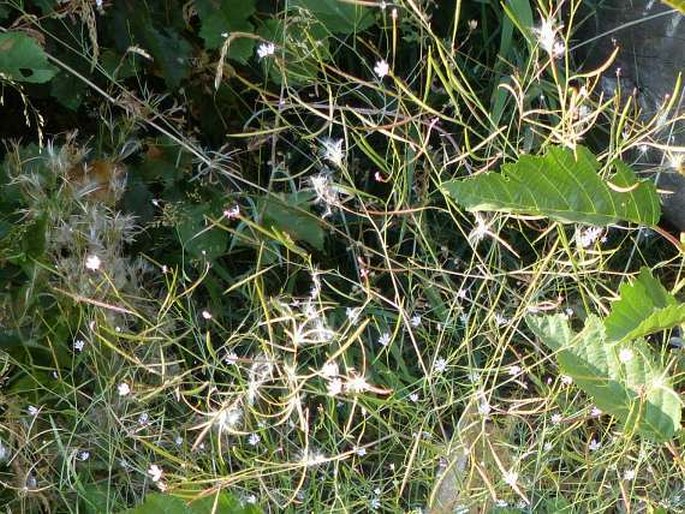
332 150
352 314
625 355
558 49
155 472
501 319
335 387
595 412
325 192
206 314
384 340
510 478
501 503
414 397
375 503
33 411
178 440
556 418
587 237
330 369
547 37
143 419
356 384
480 230
473 25
629 474
253 439
594 445
228 419
547 446
232 213
124 389
313 458
84 455
231 358
382 68
251 499
79 344
93 262
415 321
440 365
515 370
566 380
360 451
484 407
4 452
265 50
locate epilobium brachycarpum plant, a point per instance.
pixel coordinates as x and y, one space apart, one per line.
305 315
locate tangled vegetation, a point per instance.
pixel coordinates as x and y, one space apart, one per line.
329 256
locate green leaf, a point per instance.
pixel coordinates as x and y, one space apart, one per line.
23 60
156 502
678 4
562 186
623 377
290 214
219 17
225 503
337 16
171 53
644 308
201 240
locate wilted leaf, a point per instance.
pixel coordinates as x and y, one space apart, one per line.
23 60
563 187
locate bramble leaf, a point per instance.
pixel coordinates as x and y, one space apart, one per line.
23 60
623 378
562 186
219 18
337 16
644 308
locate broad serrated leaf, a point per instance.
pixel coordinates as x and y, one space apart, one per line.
23 60
199 239
226 503
553 330
219 18
338 16
290 214
623 378
562 186
644 307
